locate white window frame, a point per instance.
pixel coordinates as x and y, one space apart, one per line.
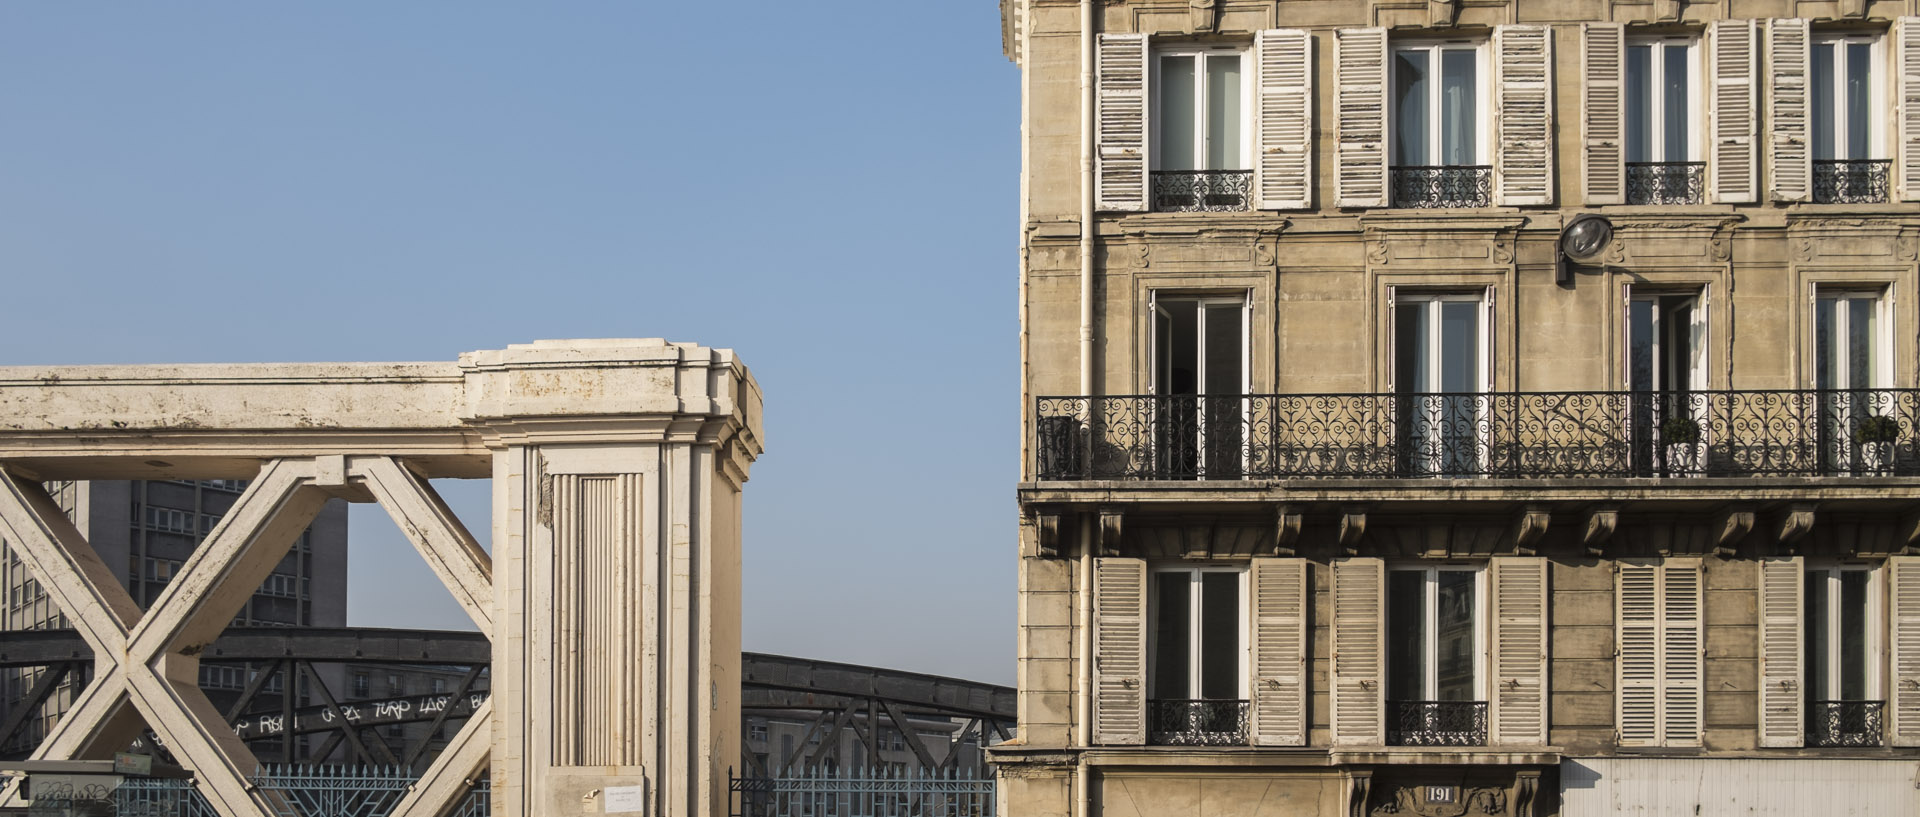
1157 108
1697 96
1193 624
1430 684
1877 100
1486 122
1883 339
1876 624
1697 352
1202 300
1433 298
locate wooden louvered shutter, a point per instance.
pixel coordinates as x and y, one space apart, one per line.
1284 166
1903 583
1782 682
1519 651
1602 63
1360 149
1119 651
1523 104
1121 161
1359 632
1682 652
1906 56
1279 683
1789 134
1637 627
1733 47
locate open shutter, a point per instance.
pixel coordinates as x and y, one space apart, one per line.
1906 55
1519 651
1119 651
1523 101
1681 652
1279 711
1782 685
1360 57
1121 165
1602 63
1903 574
1733 47
1637 624
1789 137
1285 152
1359 622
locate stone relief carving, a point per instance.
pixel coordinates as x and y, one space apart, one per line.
1718 248
1262 254
1477 800
1907 248
1201 16
1443 13
1503 250
1377 252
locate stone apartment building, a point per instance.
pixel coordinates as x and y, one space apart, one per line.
1447 407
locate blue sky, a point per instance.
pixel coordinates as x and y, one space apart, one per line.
828 187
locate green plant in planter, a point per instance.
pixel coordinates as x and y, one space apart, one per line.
1877 428
1680 431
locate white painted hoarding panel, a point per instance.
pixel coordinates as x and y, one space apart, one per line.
1657 787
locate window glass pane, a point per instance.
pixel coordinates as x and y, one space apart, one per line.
1223 113
1819 638
1825 344
1224 343
1454 637
1457 98
1410 347
1220 635
1853 635
1177 105
1182 373
1640 345
1171 628
1676 343
1639 103
1406 635
1859 61
1460 346
1410 108
1674 80
1861 332
1823 119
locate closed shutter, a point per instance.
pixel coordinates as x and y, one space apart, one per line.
1359 702
1782 685
1121 165
1279 709
1523 102
1904 617
1519 651
1906 55
1789 139
1682 653
1732 161
1119 651
1360 57
1285 151
1602 62
1637 624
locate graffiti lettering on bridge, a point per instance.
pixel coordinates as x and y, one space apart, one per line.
361 713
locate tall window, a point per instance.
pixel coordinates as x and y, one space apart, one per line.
1859 422
1433 666
1196 682
1849 154
1440 370
1439 148
1200 382
1666 363
1842 675
1662 137
1201 129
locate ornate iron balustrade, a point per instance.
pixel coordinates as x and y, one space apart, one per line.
1437 723
1443 186
1512 435
1844 723
1193 191
1172 722
1666 182
1851 181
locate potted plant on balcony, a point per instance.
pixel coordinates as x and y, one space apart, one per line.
1876 434
1681 436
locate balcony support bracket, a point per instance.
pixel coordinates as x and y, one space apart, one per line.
1111 527
1353 526
1794 523
1528 526
1910 530
1730 526
1359 784
1046 533
1526 790
1597 527
1287 521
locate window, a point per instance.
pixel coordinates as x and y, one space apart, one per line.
1434 695
1199 371
1843 674
1852 362
1196 687
757 732
1440 372
1666 363
439 685
1439 142
1662 131
362 686
1200 129
393 685
1658 636
1844 87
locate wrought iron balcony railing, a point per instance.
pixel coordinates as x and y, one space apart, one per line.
1512 435
1437 723
1192 191
1197 722
1844 723
1666 182
1443 186
1851 181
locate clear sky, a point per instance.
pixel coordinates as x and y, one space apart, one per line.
827 187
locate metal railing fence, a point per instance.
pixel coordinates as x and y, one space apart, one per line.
294 791
863 792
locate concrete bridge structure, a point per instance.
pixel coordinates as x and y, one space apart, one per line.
610 598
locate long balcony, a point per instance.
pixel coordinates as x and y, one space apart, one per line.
1513 435
1186 722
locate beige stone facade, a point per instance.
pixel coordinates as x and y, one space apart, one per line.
1337 462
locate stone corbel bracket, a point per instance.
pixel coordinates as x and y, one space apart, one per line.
1909 532
1046 533
1597 526
1353 527
1528 526
1730 526
1111 529
1793 523
1286 538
